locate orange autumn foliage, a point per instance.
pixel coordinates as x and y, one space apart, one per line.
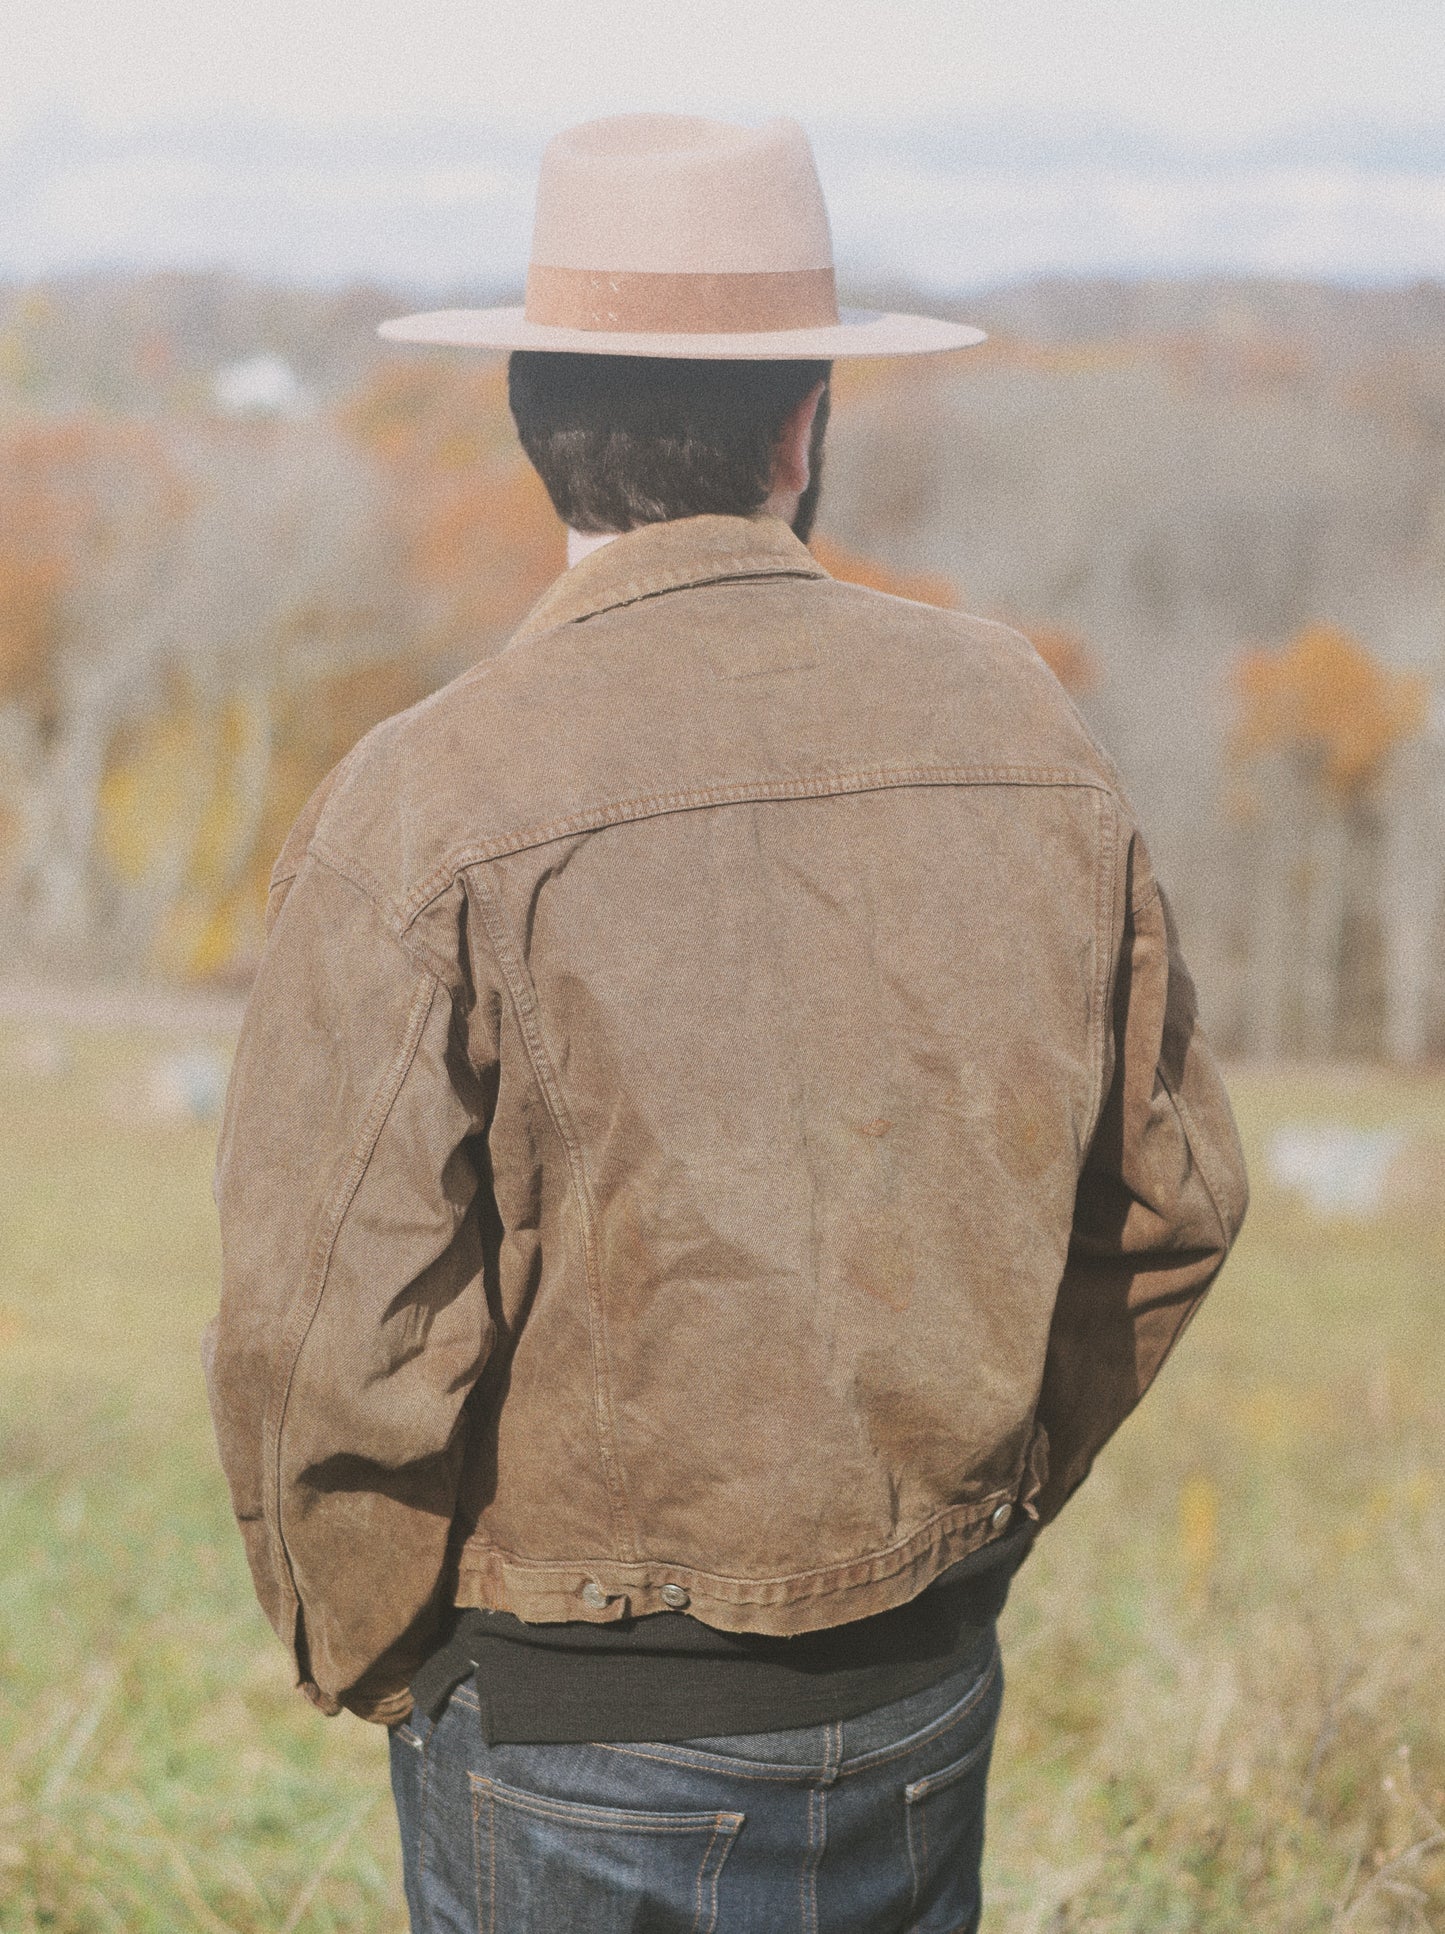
71 491
1325 693
1063 651
923 587
1065 654
480 537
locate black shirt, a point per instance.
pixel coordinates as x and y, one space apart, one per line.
668 1676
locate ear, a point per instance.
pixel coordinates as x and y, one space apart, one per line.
791 471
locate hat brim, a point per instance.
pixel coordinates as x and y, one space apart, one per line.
858 332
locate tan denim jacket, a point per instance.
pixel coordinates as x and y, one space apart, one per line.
721 1121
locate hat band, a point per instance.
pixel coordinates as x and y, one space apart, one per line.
640 301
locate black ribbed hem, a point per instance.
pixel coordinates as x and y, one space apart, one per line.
669 1677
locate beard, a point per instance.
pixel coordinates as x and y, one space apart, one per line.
808 502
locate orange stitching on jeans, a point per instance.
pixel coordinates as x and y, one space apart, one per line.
421 1813
618 1818
803 1870
940 1781
914 1874
697 1926
707 1761
486 1920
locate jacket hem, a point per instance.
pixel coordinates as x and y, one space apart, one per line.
541 1593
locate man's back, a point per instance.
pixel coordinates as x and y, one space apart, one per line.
772 979
719 1140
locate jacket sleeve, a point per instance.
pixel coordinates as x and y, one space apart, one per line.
353 1320
1160 1200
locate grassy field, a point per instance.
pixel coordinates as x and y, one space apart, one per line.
1226 1703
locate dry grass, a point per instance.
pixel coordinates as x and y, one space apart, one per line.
1225 1662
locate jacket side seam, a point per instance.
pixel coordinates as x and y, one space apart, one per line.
524 1003
303 1310
654 805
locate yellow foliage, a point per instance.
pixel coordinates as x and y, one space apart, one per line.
479 532
201 938
69 490
1325 693
142 793
1198 1527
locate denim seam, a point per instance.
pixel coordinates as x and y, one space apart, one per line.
938 1782
727 569
526 1008
421 1807
936 1728
704 1761
707 1763
914 1876
486 1920
808 1875
952 1517
713 1876
922 1847
385 908
819 785
302 1313
619 1819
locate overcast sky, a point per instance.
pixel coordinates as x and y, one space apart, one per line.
294 135
1214 68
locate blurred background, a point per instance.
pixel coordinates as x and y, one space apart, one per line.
1200 463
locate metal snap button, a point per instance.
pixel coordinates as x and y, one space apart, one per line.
593 1595
1001 1516
674 1596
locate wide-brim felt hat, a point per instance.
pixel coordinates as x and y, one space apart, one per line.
672 235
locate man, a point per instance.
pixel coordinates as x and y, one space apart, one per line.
720 1139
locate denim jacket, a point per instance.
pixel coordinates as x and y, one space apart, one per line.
721 1122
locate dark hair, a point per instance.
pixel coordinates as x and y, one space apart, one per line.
627 440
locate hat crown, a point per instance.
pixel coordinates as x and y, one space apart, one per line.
676 194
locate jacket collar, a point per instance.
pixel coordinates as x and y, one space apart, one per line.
674 556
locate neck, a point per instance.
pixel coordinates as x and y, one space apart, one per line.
579 543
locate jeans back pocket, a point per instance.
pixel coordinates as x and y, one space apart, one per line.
544 1864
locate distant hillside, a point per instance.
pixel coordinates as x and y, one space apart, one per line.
147 341
1152 479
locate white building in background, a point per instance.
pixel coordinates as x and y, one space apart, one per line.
260 386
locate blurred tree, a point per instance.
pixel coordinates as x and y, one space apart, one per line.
1065 654
193 606
480 540
922 586
1062 650
1319 726
95 507
1329 698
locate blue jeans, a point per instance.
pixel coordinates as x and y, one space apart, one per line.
871 1825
